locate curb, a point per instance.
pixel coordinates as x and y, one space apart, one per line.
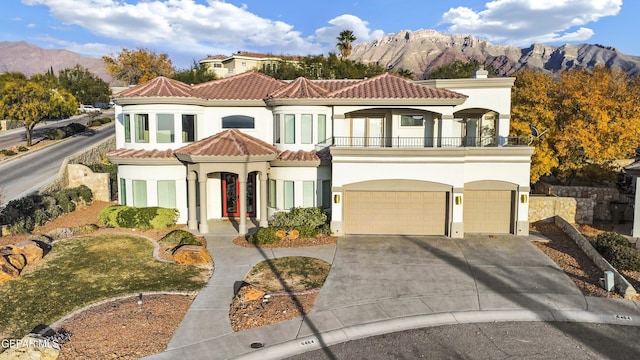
338 336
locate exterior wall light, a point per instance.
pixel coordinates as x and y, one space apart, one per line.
336 199
523 198
458 200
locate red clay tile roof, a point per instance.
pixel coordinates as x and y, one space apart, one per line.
390 86
265 56
140 154
232 142
250 85
333 85
299 89
301 155
160 86
215 57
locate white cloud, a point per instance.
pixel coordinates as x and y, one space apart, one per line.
522 22
359 27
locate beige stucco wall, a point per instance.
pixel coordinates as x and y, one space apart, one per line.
97 182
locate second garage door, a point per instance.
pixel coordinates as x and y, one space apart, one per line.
395 212
488 211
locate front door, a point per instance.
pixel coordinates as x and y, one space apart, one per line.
231 195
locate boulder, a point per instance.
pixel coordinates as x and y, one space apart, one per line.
18 261
250 293
191 255
7 271
32 346
30 249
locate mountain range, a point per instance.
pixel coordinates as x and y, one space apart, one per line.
421 51
417 51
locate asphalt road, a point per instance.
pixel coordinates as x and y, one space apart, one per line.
526 340
29 172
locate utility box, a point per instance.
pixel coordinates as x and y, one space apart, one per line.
609 282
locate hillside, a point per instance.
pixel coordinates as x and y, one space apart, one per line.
422 50
30 59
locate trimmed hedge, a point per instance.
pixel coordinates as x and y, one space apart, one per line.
144 218
62 132
263 236
618 251
24 214
308 221
98 121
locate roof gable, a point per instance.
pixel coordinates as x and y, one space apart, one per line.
232 142
159 86
390 86
300 88
250 85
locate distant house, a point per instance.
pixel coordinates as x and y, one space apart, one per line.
383 155
241 62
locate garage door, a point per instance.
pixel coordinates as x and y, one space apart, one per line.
487 211
395 212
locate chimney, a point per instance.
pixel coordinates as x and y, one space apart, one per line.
481 73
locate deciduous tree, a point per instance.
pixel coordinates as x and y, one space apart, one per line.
27 102
197 74
85 86
138 66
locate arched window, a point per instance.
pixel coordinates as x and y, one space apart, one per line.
238 122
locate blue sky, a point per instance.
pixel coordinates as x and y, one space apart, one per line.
189 30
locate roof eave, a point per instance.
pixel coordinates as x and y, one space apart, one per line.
224 158
366 102
143 161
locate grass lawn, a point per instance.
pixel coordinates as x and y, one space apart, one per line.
82 271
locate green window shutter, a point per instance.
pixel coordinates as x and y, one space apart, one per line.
167 194
308 193
306 128
288 195
139 193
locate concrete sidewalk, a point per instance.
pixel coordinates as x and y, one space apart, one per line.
391 283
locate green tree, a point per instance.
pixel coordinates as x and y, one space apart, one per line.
197 74
459 70
324 67
27 102
345 39
85 86
138 66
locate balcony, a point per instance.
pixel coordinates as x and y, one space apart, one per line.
422 142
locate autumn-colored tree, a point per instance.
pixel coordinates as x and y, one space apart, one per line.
27 102
598 120
138 66
532 106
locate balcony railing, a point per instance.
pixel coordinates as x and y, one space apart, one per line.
424 142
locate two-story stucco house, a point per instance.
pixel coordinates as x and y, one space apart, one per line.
383 155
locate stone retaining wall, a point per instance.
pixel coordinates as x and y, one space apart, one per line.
622 286
602 196
10 124
575 210
90 155
98 182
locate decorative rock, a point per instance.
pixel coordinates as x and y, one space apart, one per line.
281 234
294 234
30 347
31 251
7 271
250 293
19 261
192 255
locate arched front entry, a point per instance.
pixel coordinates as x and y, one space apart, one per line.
230 194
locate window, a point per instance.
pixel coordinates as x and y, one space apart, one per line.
411 120
272 193
322 128
326 194
289 129
141 122
167 194
165 132
276 129
237 122
288 195
306 123
139 193
308 193
123 192
127 128
217 65
188 128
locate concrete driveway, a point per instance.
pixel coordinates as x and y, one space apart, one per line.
383 284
